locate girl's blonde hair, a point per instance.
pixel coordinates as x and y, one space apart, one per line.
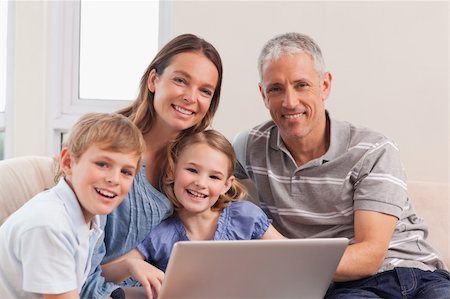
214 140
109 131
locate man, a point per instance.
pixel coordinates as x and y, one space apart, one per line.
320 177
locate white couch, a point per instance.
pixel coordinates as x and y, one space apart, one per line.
23 177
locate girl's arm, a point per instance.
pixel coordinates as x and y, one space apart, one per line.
133 264
272 233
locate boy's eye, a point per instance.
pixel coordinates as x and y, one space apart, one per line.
127 172
101 164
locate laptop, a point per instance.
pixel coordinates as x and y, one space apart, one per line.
291 268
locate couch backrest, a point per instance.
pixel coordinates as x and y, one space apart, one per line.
431 202
21 178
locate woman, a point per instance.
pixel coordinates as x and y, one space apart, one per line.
179 94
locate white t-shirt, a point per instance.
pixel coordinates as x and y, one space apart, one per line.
46 246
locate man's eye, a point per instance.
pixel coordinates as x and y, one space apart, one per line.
273 89
301 85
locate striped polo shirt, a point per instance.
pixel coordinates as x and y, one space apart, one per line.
361 170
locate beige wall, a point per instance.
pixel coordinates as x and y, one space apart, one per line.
389 62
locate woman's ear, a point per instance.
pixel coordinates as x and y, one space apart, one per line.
229 182
151 81
65 161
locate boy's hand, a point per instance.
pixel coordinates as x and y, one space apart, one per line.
148 275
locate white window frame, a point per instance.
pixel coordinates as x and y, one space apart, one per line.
65 105
7 60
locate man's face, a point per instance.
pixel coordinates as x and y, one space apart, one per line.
295 95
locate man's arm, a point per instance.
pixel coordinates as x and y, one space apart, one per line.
373 232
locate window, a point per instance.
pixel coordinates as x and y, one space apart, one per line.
98 53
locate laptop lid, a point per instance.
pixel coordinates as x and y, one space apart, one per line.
291 268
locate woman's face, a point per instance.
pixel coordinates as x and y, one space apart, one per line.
184 91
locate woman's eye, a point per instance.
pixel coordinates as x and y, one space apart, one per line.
179 80
207 92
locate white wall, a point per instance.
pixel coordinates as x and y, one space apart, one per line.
389 62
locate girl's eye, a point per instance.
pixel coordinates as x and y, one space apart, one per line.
215 177
190 169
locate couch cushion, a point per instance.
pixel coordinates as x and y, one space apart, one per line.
21 178
431 202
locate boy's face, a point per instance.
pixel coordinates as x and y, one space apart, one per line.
100 179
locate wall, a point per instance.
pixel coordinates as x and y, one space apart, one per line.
28 120
389 61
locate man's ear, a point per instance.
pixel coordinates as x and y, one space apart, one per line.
151 81
263 95
228 184
65 161
326 85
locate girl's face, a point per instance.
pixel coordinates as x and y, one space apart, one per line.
100 179
184 91
201 175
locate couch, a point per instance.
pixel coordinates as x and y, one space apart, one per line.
23 177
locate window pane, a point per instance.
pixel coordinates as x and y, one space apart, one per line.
118 39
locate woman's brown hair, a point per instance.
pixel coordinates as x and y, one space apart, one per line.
142 111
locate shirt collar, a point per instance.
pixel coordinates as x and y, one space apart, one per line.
73 209
339 140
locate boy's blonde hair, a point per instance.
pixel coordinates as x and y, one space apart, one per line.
109 131
216 141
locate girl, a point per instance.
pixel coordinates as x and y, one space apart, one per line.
199 183
179 94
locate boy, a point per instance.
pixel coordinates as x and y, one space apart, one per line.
46 245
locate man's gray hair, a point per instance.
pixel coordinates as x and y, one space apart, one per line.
291 43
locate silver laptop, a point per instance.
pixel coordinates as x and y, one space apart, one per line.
291 268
